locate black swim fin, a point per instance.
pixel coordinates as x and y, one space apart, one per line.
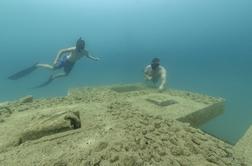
50 79
23 72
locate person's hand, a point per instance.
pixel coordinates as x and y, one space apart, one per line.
148 77
161 88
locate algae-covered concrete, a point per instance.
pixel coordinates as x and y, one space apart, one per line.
244 146
112 125
185 106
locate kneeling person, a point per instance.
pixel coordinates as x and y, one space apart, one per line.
156 73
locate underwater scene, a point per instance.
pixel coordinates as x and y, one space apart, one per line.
78 83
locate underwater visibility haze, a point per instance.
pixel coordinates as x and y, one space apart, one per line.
205 45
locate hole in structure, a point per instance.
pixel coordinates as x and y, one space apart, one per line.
162 103
121 89
62 123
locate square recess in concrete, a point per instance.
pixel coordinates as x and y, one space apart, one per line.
129 88
162 103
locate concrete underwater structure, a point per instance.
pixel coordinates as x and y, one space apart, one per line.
116 124
185 106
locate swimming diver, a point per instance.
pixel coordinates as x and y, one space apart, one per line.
66 58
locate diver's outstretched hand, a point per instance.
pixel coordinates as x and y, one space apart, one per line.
161 89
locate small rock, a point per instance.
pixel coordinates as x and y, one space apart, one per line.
74 118
101 146
157 124
174 162
144 132
158 117
26 99
60 163
1 120
161 151
143 144
212 158
196 140
174 140
176 151
156 157
129 160
114 158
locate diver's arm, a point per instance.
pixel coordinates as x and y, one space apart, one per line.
147 75
162 79
61 52
92 57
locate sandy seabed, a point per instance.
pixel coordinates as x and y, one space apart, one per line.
101 127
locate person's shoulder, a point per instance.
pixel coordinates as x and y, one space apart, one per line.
68 49
148 66
162 69
71 48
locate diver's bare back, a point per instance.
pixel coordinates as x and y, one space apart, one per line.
75 55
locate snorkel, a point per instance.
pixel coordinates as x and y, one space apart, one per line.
80 45
155 63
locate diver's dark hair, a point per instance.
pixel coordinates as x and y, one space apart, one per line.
80 44
155 63
155 60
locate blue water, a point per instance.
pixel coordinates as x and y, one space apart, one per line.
206 46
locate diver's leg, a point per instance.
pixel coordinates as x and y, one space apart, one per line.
59 75
67 68
50 79
46 66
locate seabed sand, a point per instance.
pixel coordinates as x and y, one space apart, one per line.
101 127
